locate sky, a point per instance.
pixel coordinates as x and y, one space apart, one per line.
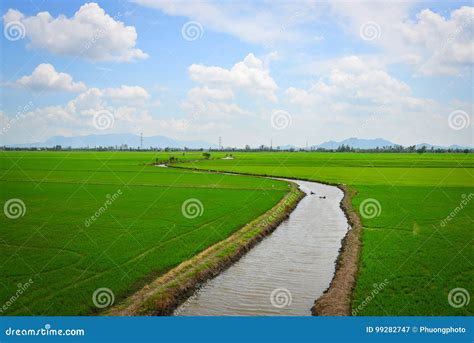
251 72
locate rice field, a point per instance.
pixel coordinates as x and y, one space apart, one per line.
417 212
92 220
74 223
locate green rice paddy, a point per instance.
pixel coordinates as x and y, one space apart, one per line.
412 256
138 232
417 245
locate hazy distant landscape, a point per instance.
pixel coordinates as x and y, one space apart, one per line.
129 141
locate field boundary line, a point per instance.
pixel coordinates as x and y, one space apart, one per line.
163 295
337 298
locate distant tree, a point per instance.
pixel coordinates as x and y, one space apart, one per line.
421 150
206 155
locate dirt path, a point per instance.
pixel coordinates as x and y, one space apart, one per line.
336 301
167 292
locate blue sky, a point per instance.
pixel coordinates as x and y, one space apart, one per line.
290 71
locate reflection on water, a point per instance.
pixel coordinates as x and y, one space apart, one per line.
287 271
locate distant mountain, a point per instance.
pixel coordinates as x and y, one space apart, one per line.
133 141
360 143
357 143
116 139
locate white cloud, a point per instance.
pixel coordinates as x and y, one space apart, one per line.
90 33
134 94
430 43
96 98
445 45
76 117
253 23
214 104
359 100
205 104
249 75
205 93
351 81
46 78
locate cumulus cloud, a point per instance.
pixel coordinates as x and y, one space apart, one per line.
431 43
207 104
90 33
356 99
133 94
125 106
76 117
444 45
351 80
96 97
46 78
249 75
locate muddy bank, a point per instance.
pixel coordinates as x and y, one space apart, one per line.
165 294
287 271
336 301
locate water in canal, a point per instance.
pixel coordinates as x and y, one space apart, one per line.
287 271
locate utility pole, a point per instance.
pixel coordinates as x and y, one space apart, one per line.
220 143
271 144
141 141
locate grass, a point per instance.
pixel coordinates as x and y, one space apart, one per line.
142 233
406 248
164 294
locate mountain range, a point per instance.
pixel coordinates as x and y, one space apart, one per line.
360 143
116 139
133 141
357 143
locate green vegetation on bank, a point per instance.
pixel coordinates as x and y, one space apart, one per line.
109 220
412 256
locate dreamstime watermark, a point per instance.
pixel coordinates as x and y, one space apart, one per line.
101 210
280 120
459 297
14 30
373 118
448 42
281 297
20 114
290 20
21 288
370 30
192 30
99 33
192 208
370 208
465 200
279 210
459 120
103 297
14 208
47 330
188 301
377 288
103 120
